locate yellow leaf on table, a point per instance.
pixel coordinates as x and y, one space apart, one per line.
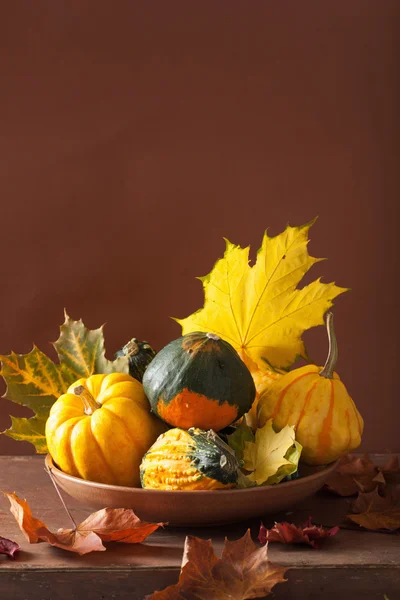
268 458
258 309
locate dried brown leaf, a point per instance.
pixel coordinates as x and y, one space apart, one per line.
371 502
342 484
377 511
289 533
8 547
391 469
392 465
354 474
243 571
108 524
375 521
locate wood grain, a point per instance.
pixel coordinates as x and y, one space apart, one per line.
368 564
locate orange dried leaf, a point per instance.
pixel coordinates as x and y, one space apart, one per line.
118 525
243 571
29 525
106 525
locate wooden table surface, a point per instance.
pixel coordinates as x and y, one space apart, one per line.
352 565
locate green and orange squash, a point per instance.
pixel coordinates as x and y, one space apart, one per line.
316 403
199 380
189 460
140 354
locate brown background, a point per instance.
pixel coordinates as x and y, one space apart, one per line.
135 135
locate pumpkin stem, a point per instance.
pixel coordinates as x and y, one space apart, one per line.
213 336
331 361
89 402
132 347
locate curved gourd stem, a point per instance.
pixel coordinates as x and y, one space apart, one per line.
89 402
331 361
213 336
132 347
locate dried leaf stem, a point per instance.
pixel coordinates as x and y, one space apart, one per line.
48 469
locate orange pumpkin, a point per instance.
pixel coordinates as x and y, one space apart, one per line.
100 429
262 381
315 401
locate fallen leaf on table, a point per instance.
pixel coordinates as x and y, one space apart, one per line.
243 571
289 533
377 512
371 501
342 485
383 520
273 455
35 381
106 525
8 547
367 483
391 470
377 505
258 309
352 475
392 465
118 525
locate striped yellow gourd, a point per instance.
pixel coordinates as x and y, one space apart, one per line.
315 401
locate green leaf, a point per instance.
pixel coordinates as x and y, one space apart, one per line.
238 439
244 481
29 430
35 381
82 351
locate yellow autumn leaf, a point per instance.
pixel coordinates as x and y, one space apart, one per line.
268 454
258 309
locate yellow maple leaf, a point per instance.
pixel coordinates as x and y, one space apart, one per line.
258 309
268 456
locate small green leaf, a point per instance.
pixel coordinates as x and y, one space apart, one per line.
238 439
29 430
82 351
244 481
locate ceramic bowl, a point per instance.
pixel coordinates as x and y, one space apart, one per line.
195 508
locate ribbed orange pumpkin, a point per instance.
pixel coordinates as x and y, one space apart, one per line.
262 381
100 429
315 401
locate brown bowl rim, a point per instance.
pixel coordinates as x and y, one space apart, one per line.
329 468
